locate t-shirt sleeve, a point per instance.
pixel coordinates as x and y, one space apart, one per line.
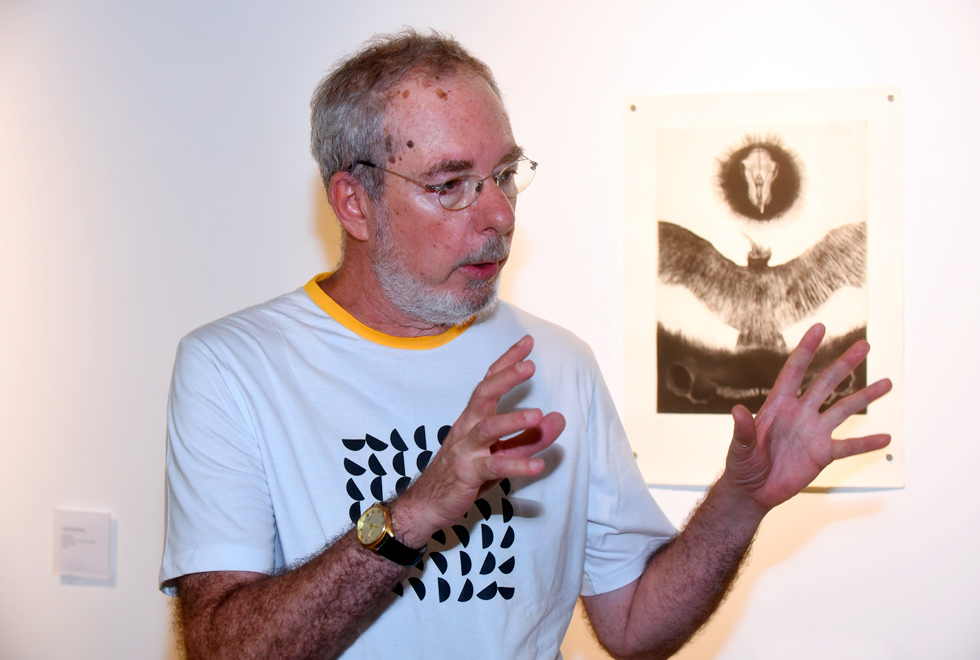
625 525
219 514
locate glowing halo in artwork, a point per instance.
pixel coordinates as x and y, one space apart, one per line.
760 179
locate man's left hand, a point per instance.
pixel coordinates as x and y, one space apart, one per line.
780 451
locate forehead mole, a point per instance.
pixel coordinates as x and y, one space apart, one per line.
405 94
389 144
409 144
441 94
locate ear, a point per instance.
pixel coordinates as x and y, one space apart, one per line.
350 204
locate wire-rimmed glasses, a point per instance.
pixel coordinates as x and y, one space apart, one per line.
459 192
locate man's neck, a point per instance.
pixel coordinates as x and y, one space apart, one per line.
361 296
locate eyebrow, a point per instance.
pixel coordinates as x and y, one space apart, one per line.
455 165
516 153
448 165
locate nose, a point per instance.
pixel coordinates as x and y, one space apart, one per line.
494 210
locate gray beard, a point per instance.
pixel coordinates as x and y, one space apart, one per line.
444 309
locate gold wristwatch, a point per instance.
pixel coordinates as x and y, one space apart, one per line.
374 532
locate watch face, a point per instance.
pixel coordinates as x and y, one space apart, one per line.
371 525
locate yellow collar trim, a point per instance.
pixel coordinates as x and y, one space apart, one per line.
339 314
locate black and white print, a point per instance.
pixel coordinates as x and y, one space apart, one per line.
761 233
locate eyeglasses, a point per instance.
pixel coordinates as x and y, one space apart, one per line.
461 191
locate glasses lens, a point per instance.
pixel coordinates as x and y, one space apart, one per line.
460 192
516 177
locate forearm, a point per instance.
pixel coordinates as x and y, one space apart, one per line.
682 584
311 611
307 612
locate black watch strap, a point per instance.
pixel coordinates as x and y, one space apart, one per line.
393 549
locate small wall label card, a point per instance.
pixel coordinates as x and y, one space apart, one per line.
82 544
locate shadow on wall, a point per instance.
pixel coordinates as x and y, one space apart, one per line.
785 532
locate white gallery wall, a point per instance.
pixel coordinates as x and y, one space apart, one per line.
154 175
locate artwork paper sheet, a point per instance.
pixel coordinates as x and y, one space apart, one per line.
748 218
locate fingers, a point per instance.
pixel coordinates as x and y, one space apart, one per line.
473 455
825 383
519 351
822 386
534 439
515 457
504 467
493 386
479 430
491 429
854 446
791 375
856 402
510 370
530 430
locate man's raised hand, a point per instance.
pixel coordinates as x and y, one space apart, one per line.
473 456
782 450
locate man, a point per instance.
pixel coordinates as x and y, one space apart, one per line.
289 419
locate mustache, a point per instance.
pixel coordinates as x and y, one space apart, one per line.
495 249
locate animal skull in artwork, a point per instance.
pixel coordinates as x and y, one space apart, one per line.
760 171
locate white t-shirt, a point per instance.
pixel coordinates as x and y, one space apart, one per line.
288 419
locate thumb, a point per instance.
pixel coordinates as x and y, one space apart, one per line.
744 435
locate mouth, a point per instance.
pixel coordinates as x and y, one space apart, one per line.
485 270
486 264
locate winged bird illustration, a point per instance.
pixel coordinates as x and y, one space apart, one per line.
760 300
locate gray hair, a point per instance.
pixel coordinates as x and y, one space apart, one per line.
348 107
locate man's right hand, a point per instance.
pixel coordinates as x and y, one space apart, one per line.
474 456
